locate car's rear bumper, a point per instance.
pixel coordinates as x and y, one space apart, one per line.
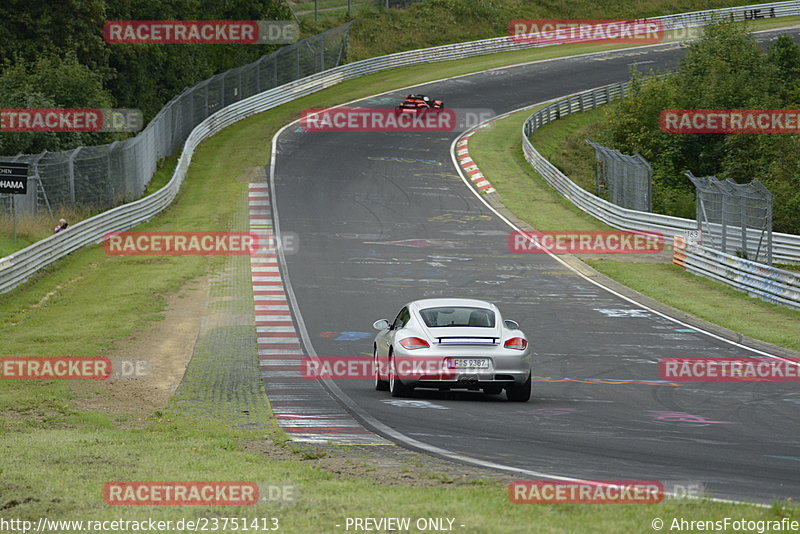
430 367
470 380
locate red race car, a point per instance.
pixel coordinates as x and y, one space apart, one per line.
418 104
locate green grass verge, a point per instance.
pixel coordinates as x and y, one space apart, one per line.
498 153
57 458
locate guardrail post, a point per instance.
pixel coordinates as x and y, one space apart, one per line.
769 232
71 169
258 74
679 252
111 190
724 223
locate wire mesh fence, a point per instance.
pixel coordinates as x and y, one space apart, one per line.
105 176
726 210
625 180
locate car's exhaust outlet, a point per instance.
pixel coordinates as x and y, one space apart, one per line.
472 380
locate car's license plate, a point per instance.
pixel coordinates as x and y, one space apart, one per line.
470 363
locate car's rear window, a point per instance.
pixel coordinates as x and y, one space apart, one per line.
457 316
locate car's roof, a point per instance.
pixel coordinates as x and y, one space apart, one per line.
432 303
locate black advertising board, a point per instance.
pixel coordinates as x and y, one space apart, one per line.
13 178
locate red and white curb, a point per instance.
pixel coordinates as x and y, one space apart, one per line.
303 409
469 166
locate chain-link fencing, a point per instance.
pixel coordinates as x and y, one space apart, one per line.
625 180
784 247
725 211
105 176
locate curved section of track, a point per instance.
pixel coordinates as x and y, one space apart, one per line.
384 218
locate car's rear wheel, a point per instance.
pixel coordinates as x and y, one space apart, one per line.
396 387
380 385
519 392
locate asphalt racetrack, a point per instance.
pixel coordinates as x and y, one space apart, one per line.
383 219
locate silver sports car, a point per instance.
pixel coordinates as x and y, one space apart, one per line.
450 344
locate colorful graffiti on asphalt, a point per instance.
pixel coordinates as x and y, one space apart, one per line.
683 417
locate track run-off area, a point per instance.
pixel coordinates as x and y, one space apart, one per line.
382 219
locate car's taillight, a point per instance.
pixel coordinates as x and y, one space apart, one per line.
412 343
516 343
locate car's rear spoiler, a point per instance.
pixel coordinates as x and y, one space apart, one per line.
468 340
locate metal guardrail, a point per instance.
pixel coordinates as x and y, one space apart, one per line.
768 283
786 247
20 266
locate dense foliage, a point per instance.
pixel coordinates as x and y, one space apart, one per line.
52 54
725 70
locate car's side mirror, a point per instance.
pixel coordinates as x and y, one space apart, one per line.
511 325
381 324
